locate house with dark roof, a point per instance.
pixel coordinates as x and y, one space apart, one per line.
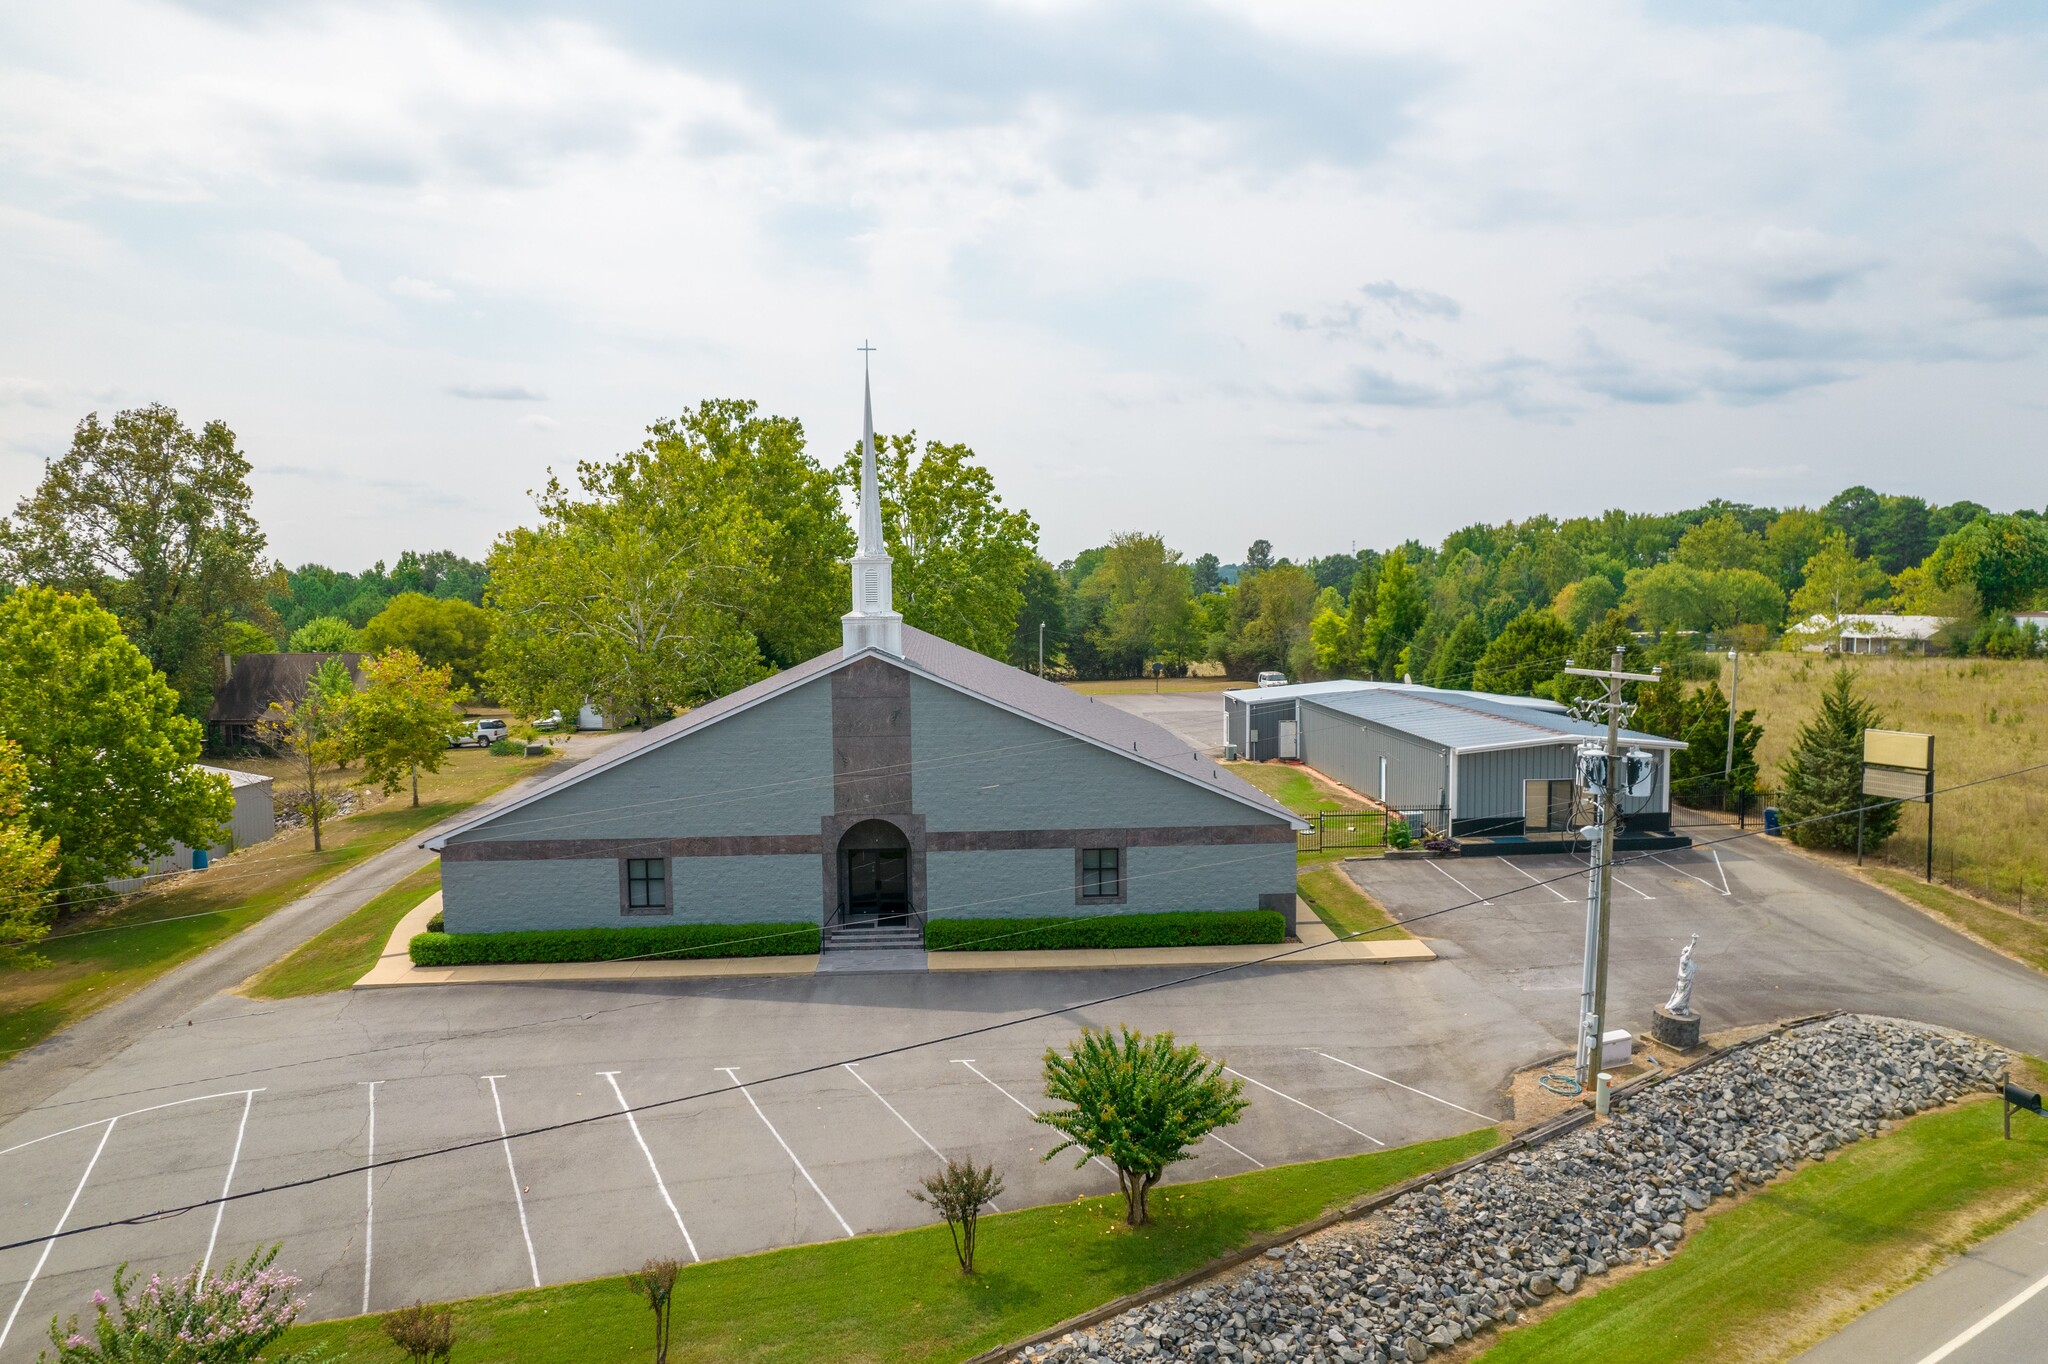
895 780
250 682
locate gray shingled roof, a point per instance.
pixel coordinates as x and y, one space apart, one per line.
1466 722
963 669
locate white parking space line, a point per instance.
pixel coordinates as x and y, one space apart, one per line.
1459 884
1228 1147
518 1194
1718 890
241 1130
969 1063
1410 1088
1722 870
1626 886
1298 1103
133 1112
369 1191
744 1093
2011 1305
1545 884
62 1218
848 1067
653 1169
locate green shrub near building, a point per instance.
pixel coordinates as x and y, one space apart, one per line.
672 942
1219 928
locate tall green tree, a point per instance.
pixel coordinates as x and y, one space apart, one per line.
1269 623
1835 583
1526 658
1399 608
1206 576
325 635
153 519
1719 543
1145 611
1821 783
109 756
1700 772
400 720
673 573
2005 558
443 633
28 867
1458 659
1141 1103
1667 597
961 556
1042 620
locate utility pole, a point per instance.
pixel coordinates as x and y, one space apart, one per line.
1041 651
1728 766
1600 843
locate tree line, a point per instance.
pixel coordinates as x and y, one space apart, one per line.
1492 603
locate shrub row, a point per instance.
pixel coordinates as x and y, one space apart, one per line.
1219 928
671 941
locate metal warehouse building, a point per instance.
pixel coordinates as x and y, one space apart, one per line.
1487 766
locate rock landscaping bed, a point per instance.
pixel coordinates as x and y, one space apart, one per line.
1450 1260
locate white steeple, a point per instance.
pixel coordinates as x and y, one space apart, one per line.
872 623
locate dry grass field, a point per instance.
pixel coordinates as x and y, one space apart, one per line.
1988 716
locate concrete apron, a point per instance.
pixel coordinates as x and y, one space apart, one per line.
1317 946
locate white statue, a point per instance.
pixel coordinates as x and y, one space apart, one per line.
1680 1002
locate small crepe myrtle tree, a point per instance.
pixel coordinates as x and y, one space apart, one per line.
655 1282
958 1192
1138 1102
425 1334
219 1318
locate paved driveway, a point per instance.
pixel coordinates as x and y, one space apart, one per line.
1194 716
1342 1059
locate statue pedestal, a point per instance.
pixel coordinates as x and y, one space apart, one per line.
1680 1032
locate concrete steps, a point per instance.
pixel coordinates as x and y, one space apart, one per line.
874 938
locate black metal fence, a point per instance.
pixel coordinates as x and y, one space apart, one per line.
1364 830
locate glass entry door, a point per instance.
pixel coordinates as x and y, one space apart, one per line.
878 884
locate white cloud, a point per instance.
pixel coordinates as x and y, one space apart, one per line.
16 388
1155 241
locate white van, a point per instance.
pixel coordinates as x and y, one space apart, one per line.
1272 679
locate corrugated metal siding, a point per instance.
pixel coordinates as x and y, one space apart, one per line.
1348 749
1490 784
1265 728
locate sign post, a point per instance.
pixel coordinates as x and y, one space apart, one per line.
1898 765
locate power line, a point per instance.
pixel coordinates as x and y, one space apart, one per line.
903 1048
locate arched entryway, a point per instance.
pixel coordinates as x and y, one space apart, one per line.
874 874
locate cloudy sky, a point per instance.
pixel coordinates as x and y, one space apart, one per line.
1323 273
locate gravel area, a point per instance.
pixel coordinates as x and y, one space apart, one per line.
1444 1262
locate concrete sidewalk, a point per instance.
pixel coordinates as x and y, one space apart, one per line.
1318 946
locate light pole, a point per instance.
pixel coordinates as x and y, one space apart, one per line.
1041 651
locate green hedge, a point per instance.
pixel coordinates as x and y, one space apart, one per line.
1218 928
673 942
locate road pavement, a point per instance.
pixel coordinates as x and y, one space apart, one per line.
1988 1306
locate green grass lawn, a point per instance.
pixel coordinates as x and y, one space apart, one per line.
1294 788
340 957
117 950
1340 904
2023 936
1768 1277
901 1296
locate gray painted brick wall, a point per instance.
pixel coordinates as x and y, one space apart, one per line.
1003 885
766 770
507 897
979 767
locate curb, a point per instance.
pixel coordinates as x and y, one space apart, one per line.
1545 1131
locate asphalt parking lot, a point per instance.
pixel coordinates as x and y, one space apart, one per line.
826 1155
1340 1059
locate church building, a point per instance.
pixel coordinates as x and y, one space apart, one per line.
895 780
